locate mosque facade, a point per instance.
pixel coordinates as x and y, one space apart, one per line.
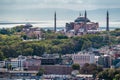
81 25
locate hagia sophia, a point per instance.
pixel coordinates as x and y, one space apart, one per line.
81 25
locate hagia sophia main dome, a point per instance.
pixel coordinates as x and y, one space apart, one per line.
81 19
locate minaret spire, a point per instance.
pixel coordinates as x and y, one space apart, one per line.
85 14
85 27
55 21
107 21
79 14
107 27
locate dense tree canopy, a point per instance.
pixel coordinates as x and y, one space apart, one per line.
109 74
12 45
90 69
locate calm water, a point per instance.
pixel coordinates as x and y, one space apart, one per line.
46 25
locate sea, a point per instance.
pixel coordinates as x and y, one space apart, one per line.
46 27
49 24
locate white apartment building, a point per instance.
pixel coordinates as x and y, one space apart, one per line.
16 62
82 58
2 64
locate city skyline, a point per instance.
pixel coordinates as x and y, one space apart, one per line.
66 10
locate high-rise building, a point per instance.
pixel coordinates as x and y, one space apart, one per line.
55 21
107 21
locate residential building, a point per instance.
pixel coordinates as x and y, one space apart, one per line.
19 74
15 62
82 58
105 61
57 69
32 64
3 72
32 32
2 64
67 59
50 59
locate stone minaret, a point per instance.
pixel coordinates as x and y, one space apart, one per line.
80 14
55 21
107 21
85 14
85 27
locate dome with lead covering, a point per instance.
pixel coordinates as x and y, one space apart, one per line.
82 19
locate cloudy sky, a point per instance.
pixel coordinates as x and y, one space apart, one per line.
43 9
69 4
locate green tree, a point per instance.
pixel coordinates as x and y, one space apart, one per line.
91 69
28 51
40 72
104 75
5 31
99 68
117 76
25 37
108 74
18 28
76 67
9 67
61 36
1 56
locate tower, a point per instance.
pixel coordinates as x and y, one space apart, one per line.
108 36
107 21
107 27
85 27
80 14
55 21
85 14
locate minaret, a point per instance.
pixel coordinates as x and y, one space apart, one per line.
107 21
85 27
79 14
107 29
55 21
85 14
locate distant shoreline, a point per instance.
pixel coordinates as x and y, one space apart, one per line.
38 24
20 23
